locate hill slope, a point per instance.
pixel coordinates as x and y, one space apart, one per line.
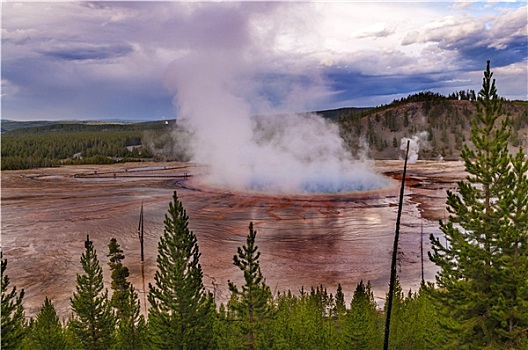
441 126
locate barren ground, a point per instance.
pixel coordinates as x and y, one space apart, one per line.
304 240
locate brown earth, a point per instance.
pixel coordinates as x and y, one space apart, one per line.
305 240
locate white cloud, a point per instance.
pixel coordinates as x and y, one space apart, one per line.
376 30
512 81
8 88
492 30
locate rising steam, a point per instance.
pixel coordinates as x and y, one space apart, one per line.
295 153
218 92
415 142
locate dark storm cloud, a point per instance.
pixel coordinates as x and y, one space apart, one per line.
75 52
351 84
108 59
516 51
78 61
475 49
56 87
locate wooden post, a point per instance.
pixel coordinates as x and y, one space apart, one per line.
395 255
422 253
141 239
144 288
140 233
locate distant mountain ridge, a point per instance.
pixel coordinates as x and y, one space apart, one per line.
8 125
74 125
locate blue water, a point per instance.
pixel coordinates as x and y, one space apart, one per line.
314 186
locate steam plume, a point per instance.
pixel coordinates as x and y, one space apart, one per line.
217 92
415 142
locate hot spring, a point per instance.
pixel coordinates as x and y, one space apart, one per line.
350 182
343 184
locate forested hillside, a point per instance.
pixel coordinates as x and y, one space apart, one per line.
441 124
54 144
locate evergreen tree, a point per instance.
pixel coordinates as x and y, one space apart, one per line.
225 330
362 320
482 279
511 308
251 304
46 331
12 312
283 322
419 323
298 323
93 321
131 327
131 332
340 307
120 285
397 326
181 313
339 322
321 304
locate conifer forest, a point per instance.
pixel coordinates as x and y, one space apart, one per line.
479 299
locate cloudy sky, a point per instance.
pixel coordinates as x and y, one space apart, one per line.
133 60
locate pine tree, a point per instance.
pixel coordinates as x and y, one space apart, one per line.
482 281
120 285
131 332
340 307
511 308
225 330
12 312
284 322
93 321
181 313
309 324
397 326
363 322
131 327
46 331
322 305
339 319
419 322
251 304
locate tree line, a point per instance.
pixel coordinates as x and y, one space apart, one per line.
479 299
33 150
429 96
182 314
80 143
